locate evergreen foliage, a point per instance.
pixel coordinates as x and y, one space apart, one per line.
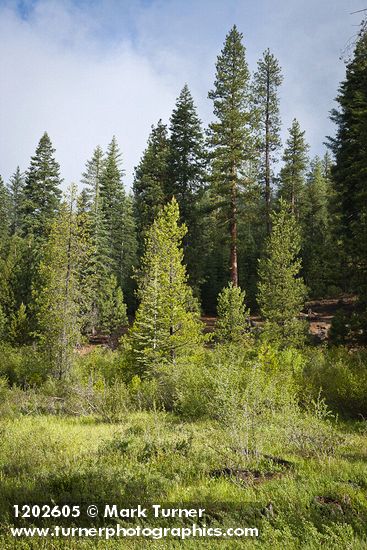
151 180
267 80
166 324
232 322
41 191
186 179
4 211
56 295
293 172
349 173
230 136
282 291
16 190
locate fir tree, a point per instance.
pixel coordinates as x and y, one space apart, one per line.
317 245
186 163
293 172
166 324
230 135
150 182
41 191
267 80
117 219
92 179
16 190
282 291
56 292
232 320
349 172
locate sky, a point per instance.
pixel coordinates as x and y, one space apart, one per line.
85 70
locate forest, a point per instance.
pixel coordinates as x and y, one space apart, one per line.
200 338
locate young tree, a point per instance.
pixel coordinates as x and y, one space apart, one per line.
186 173
230 135
349 172
166 324
293 172
265 86
112 306
232 314
56 294
282 291
18 332
150 182
16 191
41 191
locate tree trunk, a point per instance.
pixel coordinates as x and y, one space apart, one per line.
267 160
233 230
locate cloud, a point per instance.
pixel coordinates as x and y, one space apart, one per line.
86 70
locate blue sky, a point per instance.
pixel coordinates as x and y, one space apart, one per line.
85 70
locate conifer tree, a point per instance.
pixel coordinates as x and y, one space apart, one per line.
317 246
349 172
41 191
117 219
186 173
282 291
293 172
230 135
56 292
112 306
92 179
267 80
232 320
18 332
150 182
4 211
16 191
166 324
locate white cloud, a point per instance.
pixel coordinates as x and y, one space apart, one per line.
84 71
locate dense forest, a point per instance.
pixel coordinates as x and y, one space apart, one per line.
192 295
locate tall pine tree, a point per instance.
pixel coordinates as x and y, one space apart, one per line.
230 135
267 80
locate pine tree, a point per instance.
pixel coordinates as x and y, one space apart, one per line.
317 243
166 324
150 180
282 291
232 322
293 172
349 172
266 82
16 191
56 292
186 173
41 191
4 211
230 135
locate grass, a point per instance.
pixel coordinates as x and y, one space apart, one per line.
154 457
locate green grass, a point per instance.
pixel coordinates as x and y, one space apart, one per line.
156 458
